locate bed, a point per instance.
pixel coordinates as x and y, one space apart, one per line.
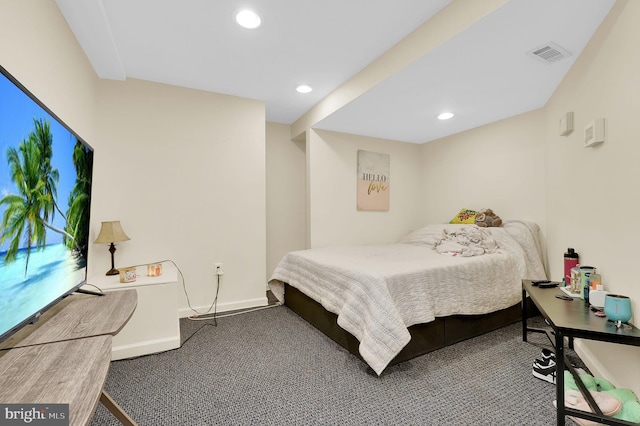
438 285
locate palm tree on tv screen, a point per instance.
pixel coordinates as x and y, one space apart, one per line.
41 136
22 213
79 200
28 212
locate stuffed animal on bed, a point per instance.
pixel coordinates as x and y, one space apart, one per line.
487 218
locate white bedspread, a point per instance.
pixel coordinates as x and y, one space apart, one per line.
466 241
378 291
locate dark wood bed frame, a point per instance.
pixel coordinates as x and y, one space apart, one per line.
424 337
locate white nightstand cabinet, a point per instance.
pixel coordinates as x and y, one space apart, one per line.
155 324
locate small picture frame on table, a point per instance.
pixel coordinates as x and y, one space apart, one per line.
154 269
127 275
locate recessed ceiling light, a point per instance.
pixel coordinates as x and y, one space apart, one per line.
247 18
445 115
303 88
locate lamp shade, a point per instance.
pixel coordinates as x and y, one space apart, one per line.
111 232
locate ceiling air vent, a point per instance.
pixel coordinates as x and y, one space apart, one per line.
549 53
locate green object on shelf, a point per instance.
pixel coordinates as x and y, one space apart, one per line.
630 406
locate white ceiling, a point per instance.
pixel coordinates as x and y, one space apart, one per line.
482 74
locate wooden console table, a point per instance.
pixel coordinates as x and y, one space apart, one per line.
64 357
574 319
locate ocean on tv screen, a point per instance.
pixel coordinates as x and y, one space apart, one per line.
52 271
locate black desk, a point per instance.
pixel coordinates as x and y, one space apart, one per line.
574 319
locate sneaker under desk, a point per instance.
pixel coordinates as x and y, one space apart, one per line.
573 319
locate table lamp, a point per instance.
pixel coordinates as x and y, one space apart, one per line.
111 232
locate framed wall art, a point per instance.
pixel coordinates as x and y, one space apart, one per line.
373 181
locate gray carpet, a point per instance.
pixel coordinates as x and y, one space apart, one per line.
272 368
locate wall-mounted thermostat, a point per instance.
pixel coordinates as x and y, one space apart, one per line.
566 124
594 132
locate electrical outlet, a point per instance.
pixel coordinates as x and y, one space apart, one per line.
218 267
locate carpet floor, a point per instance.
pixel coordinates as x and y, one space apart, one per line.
270 367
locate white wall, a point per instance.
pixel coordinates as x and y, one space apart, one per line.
583 197
332 160
593 194
498 166
286 187
184 171
38 48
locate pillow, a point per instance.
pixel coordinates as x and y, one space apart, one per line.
465 216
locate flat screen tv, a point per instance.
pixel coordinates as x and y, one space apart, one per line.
45 200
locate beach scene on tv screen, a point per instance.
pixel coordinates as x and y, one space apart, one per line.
45 188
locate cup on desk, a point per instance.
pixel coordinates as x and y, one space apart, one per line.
617 308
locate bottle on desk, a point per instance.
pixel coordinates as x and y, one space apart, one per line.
594 281
585 293
585 281
571 259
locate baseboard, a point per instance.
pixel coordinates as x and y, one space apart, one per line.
591 361
144 348
226 307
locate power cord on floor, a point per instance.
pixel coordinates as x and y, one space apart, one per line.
203 316
194 333
214 324
184 287
208 315
169 350
231 314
